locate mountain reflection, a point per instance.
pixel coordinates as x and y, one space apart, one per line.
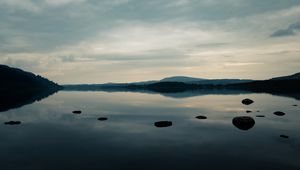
12 100
186 93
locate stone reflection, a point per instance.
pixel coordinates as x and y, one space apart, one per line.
243 122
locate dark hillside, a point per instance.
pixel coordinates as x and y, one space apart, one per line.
18 87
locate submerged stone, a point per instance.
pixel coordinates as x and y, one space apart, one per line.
77 112
247 101
163 124
243 122
201 117
102 118
260 116
278 113
295 105
12 123
248 111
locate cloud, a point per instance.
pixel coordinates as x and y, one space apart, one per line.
144 39
283 33
290 31
81 41
62 2
27 5
241 64
40 6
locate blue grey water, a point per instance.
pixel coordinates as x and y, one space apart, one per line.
52 137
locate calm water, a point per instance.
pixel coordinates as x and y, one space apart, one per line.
52 137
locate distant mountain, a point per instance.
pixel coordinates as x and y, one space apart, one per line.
223 81
19 87
145 82
183 79
284 86
290 77
192 80
175 79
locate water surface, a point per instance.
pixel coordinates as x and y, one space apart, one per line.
52 137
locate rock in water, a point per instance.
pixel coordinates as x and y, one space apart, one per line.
247 101
295 105
77 112
278 113
248 111
102 118
243 122
284 136
12 123
163 124
201 117
260 116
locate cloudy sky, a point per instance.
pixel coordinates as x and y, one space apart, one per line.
97 41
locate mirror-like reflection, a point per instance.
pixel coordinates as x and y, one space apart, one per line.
51 137
12 100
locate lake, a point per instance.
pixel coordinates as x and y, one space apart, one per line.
52 137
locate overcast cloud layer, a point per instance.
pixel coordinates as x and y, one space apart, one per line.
97 41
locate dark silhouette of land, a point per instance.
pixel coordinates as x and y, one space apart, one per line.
18 88
283 86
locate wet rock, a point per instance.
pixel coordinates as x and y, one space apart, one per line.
278 113
201 117
163 124
284 136
102 118
243 122
77 112
248 111
12 123
247 101
260 116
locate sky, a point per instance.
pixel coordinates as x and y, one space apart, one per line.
98 41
